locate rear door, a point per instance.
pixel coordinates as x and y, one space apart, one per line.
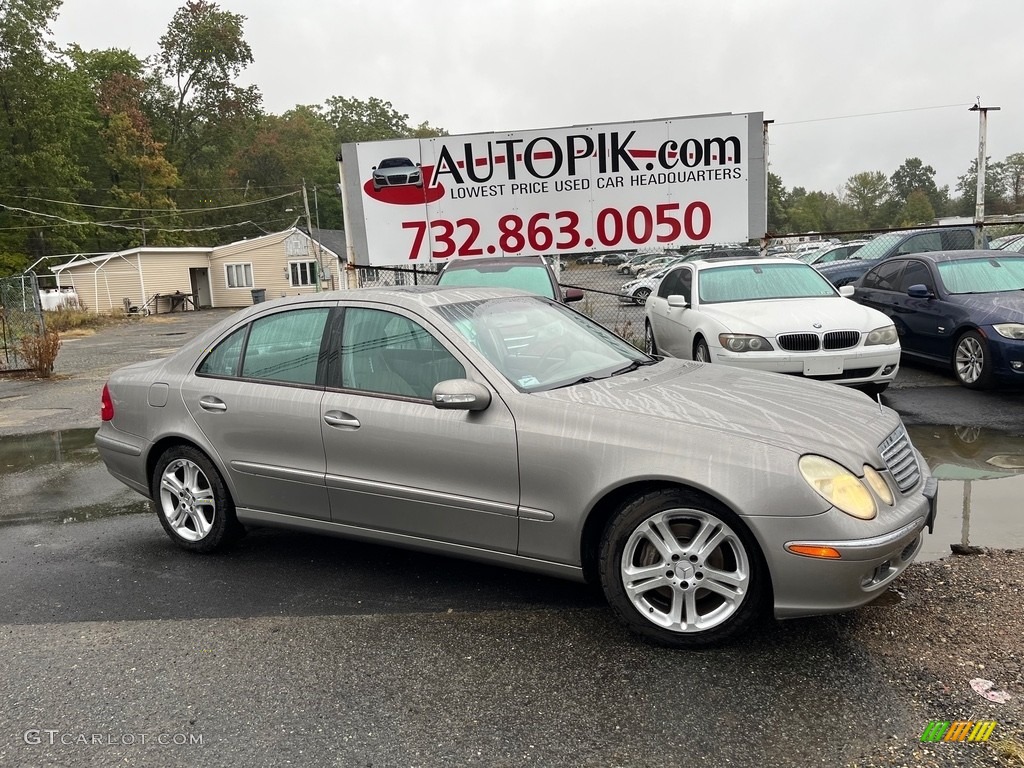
257 398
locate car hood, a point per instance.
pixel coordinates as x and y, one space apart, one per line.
770 318
988 308
786 411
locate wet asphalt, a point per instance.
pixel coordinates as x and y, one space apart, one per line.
292 649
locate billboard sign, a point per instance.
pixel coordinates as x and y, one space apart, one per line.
669 183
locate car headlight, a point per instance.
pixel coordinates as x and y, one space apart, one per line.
838 486
1010 330
884 335
744 342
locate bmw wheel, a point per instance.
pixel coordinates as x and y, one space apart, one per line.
192 501
682 570
701 353
972 364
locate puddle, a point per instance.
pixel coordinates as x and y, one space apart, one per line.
58 477
981 484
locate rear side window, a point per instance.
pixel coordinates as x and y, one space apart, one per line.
224 359
884 277
958 240
286 346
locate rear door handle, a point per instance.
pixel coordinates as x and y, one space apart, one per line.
210 403
341 419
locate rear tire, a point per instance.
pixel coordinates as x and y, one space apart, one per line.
192 500
640 297
682 570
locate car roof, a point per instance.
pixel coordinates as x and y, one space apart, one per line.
939 256
485 261
709 263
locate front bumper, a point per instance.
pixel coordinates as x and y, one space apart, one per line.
806 586
860 365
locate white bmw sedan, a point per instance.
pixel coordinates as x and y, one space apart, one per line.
774 315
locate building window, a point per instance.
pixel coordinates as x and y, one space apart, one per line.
239 275
302 273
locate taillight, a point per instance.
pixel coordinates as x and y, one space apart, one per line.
106 405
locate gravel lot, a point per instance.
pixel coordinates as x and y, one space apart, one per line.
944 624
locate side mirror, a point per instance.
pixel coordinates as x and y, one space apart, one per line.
847 291
460 395
417 165
374 168
572 294
678 302
919 292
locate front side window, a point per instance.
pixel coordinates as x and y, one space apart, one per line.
387 353
238 275
916 273
302 273
286 346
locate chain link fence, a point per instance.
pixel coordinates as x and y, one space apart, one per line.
602 284
21 316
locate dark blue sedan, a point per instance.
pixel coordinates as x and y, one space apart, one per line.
958 308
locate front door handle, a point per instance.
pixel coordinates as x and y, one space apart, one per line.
210 403
341 419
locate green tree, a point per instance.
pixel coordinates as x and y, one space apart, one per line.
44 115
778 201
1013 180
995 186
866 193
914 175
371 120
205 113
916 210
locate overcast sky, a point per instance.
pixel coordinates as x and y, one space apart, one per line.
851 85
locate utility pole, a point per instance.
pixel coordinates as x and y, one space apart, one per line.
309 228
979 207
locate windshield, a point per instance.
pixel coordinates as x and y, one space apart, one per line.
540 345
532 278
757 282
876 248
395 162
990 275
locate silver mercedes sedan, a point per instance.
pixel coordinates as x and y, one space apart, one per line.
503 427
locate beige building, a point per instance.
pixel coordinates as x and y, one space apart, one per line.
165 279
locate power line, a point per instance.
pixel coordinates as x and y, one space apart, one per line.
128 226
871 114
157 210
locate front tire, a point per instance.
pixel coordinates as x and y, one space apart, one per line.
972 364
192 500
701 353
681 570
650 346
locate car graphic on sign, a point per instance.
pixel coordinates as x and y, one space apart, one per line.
396 172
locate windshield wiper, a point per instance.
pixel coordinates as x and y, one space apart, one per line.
581 380
633 366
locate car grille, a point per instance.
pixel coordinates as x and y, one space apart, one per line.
809 342
899 457
841 339
799 342
397 178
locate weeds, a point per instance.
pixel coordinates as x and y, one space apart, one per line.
39 351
